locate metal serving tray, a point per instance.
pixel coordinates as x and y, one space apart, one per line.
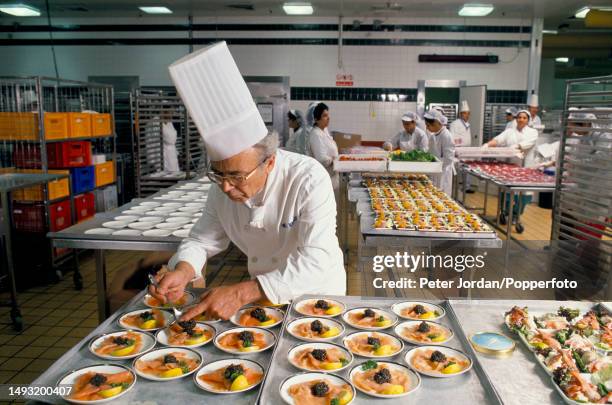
529 383
472 387
182 391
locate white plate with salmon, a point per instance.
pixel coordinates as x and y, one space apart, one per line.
323 357
418 310
167 364
317 388
369 318
384 379
374 345
146 319
325 308
245 340
313 329
438 361
122 345
229 376
98 384
423 332
261 317
186 334
187 299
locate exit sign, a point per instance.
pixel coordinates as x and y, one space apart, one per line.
344 80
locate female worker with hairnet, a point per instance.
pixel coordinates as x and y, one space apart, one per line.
524 139
511 117
410 138
297 139
442 146
322 146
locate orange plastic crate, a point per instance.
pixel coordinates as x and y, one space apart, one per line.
16 126
79 125
101 125
56 126
56 189
105 173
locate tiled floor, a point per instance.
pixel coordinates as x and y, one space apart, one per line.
57 317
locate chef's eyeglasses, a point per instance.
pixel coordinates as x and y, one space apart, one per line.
233 179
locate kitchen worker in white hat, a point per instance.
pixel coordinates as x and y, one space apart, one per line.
277 207
511 117
442 146
533 108
410 137
460 128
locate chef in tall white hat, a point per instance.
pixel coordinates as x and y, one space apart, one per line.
277 207
410 138
442 146
533 108
460 128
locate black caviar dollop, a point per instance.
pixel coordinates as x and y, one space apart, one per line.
319 389
168 358
419 309
146 316
424 327
316 326
368 313
373 341
187 325
382 376
322 304
97 380
319 354
121 341
246 337
233 371
259 314
437 357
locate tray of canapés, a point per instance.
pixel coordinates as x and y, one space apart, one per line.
176 357
439 222
360 363
573 347
433 205
406 193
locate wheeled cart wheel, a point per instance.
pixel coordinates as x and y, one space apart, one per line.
78 280
16 319
519 228
503 220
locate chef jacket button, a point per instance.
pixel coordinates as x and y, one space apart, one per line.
274 260
254 259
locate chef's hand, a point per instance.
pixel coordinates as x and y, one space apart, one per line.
387 146
172 283
485 146
223 302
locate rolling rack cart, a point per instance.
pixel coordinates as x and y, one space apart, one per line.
149 109
55 126
582 213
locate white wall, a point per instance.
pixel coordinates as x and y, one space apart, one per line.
307 66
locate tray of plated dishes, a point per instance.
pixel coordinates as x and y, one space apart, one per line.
141 354
563 349
364 350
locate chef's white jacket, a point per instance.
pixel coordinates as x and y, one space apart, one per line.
511 124
324 149
462 135
526 139
170 154
535 122
407 142
289 238
442 146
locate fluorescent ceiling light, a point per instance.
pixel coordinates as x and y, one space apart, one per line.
20 10
562 60
156 10
550 32
476 10
582 12
298 8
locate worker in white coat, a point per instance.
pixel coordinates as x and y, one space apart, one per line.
322 146
297 139
524 139
410 138
277 207
442 146
511 117
533 107
460 128
169 143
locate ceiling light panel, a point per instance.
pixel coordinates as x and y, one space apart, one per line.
155 10
476 10
20 10
298 8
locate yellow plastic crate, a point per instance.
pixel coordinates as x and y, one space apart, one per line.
101 125
105 173
55 189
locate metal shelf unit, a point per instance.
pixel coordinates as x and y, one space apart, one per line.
582 212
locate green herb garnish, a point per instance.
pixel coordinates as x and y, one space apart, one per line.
369 365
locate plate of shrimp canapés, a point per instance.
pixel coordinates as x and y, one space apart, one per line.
438 361
313 329
229 376
261 317
324 357
186 334
152 302
317 388
417 310
384 379
146 319
98 384
369 318
245 340
167 364
121 345
423 332
325 308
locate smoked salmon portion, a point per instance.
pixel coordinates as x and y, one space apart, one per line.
144 320
430 360
426 332
320 392
368 319
187 333
320 308
320 359
224 378
315 329
256 317
154 302
243 340
382 380
161 366
93 386
419 311
122 345
372 344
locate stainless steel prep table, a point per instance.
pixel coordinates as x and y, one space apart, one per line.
10 182
182 391
529 383
473 387
75 237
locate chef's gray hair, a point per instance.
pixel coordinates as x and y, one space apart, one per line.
268 145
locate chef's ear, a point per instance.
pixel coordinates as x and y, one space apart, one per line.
270 163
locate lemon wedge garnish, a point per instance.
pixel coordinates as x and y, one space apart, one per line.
249 349
393 390
268 322
111 392
451 369
331 365
427 315
173 372
384 322
195 341
333 310
240 383
345 397
124 351
383 350
150 324
331 332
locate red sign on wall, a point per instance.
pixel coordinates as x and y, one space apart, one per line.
344 80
